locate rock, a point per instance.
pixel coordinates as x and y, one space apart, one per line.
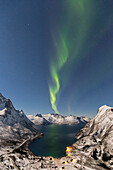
95 140
15 127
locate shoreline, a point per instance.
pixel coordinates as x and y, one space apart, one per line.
26 145
22 158
23 145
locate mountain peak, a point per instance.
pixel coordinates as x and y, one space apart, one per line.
96 138
1 95
53 118
13 122
2 98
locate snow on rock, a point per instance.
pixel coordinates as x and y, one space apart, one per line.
52 118
14 125
96 138
38 119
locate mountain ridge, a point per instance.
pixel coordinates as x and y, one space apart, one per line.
95 139
14 125
52 118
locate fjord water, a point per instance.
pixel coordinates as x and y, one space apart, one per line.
55 140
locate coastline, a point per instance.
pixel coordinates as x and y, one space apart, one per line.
26 145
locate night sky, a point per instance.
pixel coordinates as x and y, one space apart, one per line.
56 56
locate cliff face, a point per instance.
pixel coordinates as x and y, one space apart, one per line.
14 125
95 140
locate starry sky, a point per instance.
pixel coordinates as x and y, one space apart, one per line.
56 56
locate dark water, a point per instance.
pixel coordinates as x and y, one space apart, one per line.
56 139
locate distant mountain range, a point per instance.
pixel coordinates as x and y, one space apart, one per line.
52 118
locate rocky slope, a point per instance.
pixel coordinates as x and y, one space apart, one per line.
15 127
52 118
95 140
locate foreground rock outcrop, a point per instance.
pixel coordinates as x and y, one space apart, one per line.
95 140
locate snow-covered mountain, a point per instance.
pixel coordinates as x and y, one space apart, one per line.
95 140
92 151
14 125
52 118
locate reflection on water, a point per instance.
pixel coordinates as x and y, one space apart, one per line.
56 139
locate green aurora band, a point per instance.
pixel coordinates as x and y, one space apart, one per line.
65 45
55 67
73 38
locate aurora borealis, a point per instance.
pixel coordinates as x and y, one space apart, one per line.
56 66
56 55
71 37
